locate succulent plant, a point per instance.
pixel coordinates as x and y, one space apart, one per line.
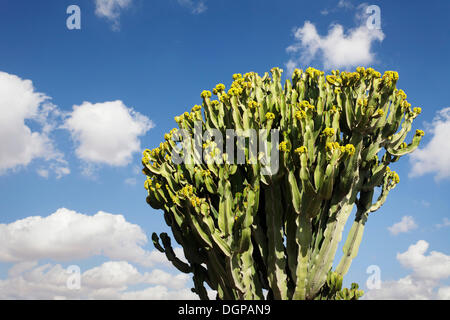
252 234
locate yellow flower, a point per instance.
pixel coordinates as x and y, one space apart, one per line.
330 146
350 149
420 133
360 70
300 114
220 87
402 94
395 177
270 116
301 150
253 104
284 146
196 108
215 103
148 183
205 94
298 72
417 110
223 97
329 132
237 76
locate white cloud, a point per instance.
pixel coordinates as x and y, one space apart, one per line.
131 181
425 280
337 49
20 105
406 224
435 266
345 4
444 293
445 223
111 10
67 235
435 156
107 133
195 6
111 280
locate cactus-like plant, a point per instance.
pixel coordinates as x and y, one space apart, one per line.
243 229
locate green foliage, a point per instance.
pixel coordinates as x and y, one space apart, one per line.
243 230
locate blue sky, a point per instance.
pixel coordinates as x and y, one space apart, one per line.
148 61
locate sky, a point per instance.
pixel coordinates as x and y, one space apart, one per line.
79 105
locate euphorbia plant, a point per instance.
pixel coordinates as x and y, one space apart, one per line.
243 228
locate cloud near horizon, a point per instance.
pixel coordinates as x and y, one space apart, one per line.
425 281
68 235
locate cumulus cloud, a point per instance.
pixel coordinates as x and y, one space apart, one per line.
111 10
111 280
21 106
434 266
195 6
67 235
425 280
405 225
106 133
435 156
338 49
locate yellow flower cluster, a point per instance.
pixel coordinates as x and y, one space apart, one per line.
297 72
390 76
305 105
270 116
148 183
253 104
405 104
420 133
196 108
284 146
215 103
331 146
313 72
235 91
380 112
334 109
300 114
401 94
187 191
223 97
394 176
372 72
362 102
237 76
196 201
350 149
329 132
205 94
417 110
301 150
